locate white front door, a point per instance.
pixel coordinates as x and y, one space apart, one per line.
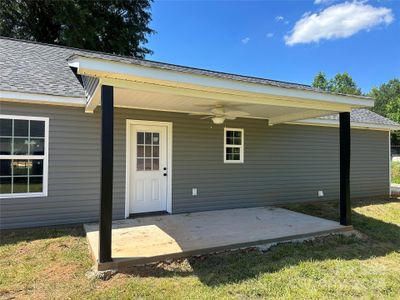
148 169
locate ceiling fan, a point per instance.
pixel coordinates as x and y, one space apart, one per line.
218 114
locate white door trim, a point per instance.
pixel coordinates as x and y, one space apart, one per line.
168 125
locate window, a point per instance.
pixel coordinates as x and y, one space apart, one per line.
233 145
23 156
148 151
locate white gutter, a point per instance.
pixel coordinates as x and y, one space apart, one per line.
42 98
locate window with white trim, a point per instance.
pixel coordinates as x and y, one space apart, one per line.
233 145
23 156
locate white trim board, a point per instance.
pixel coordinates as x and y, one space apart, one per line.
335 123
168 125
128 71
42 98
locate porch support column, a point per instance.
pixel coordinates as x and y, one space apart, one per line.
106 189
345 205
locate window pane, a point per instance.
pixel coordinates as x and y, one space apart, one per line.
5 127
236 156
36 167
229 141
228 150
20 146
21 128
20 167
237 141
156 164
20 185
37 147
5 185
237 134
140 164
147 165
35 184
5 146
236 150
147 151
140 137
228 156
148 138
37 129
156 138
229 133
156 151
5 167
140 151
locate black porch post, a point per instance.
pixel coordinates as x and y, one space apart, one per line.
106 189
345 205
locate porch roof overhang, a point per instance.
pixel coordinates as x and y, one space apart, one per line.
158 88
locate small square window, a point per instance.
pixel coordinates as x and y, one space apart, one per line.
233 148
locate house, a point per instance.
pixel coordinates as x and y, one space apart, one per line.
84 134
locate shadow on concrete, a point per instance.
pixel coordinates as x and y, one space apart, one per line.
381 238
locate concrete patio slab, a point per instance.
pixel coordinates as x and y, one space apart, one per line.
150 239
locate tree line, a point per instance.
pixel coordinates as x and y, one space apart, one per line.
387 95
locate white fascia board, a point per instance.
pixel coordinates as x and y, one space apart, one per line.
118 70
335 123
42 98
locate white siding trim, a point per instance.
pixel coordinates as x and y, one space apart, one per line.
390 165
45 157
168 125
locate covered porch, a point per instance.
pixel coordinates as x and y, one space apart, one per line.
155 238
216 98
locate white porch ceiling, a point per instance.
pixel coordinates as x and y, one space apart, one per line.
176 103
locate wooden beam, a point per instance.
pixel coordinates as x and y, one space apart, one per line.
345 204
106 189
298 116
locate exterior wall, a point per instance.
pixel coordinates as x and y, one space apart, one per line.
282 163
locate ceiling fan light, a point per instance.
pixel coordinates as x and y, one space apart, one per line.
218 120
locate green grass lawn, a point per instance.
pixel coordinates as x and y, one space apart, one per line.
51 263
396 172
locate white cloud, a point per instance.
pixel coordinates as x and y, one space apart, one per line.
245 40
322 1
338 21
279 18
270 34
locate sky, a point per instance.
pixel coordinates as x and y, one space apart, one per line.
281 40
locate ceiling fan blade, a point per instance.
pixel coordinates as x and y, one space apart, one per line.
218 111
230 117
199 114
236 113
207 117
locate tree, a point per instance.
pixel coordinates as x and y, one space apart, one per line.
113 26
341 83
386 97
387 103
320 81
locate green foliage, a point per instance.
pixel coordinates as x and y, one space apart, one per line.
113 26
395 172
387 103
341 83
320 81
387 98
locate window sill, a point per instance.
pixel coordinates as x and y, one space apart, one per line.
22 195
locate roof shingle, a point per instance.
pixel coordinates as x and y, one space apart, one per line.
32 67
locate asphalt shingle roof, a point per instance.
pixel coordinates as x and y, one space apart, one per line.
32 67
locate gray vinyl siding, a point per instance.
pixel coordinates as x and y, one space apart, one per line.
283 163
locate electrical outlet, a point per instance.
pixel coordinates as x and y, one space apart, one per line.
194 192
320 193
